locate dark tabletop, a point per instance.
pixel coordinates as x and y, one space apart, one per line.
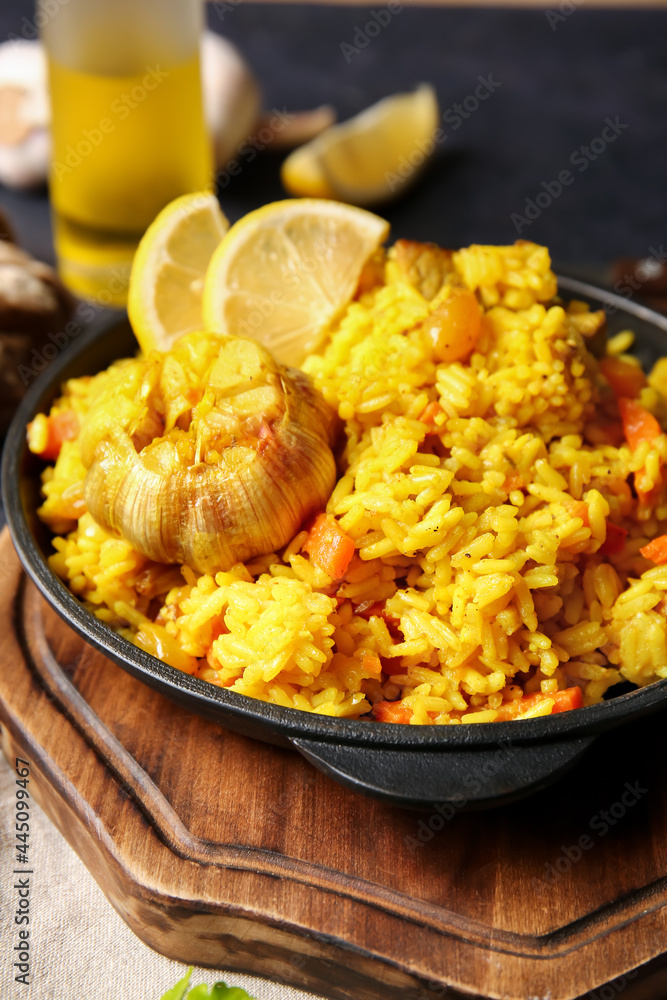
554 85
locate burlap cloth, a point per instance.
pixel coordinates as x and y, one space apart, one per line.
81 949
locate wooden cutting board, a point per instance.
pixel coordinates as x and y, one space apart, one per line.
221 851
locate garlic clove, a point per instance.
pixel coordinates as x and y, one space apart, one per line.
298 126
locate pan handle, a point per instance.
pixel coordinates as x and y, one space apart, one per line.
462 779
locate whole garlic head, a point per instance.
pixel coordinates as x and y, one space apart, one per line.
207 455
232 100
24 114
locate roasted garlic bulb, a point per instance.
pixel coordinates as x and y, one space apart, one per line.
209 454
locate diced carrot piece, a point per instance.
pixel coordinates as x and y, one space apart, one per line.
513 482
61 427
647 496
218 628
368 609
393 667
578 509
329 547
392 711
430 412
371 664
625 378
615 540
638 424
512 709
656 550
564 701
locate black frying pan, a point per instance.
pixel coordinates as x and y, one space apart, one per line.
455 766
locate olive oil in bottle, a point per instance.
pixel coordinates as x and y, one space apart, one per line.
128 130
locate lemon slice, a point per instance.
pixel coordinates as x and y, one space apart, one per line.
369 158
167 277
284 272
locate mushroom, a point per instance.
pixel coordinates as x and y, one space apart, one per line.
33 304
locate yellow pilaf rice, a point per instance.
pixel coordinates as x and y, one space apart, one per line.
480 534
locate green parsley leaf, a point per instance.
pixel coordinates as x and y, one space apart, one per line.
222 992
219 991
177 992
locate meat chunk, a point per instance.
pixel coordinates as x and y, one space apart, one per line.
593 328
424 265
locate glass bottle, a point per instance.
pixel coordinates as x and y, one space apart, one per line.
128 129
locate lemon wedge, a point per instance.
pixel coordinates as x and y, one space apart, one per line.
169 267
284 272
371 157
303 175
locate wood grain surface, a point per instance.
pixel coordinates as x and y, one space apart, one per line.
222 851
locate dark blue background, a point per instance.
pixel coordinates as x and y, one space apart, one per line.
557 87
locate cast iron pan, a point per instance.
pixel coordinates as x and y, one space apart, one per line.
466 766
